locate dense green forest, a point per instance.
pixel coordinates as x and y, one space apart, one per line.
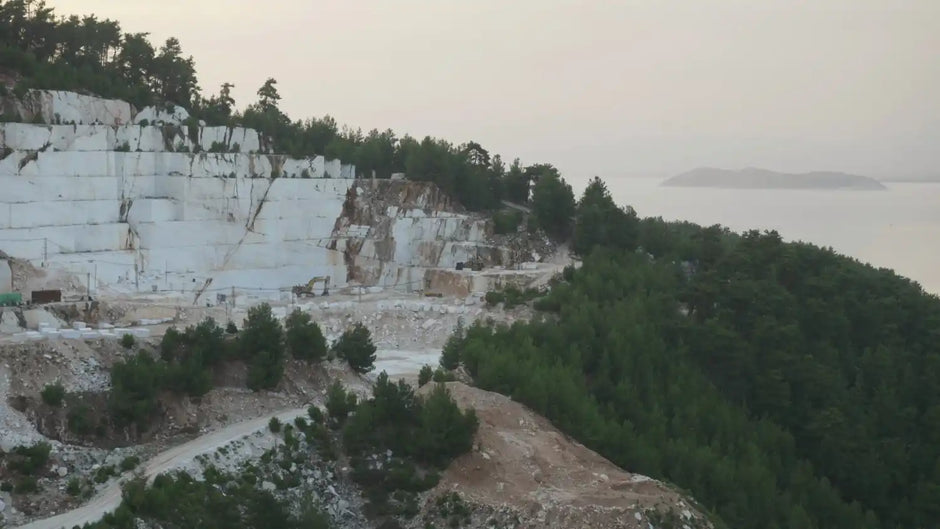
87 54
783 385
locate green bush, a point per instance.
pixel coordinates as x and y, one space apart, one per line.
274 425
53 394
494 298
443 376
315 414
135 383
79 419
104 473
74 487
230 328
506 221
6 486
339 403
424 376
450 354
26 485
356 347
305 340
129 463
261 344
29 460
128 341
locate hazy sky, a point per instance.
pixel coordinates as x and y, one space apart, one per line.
605 87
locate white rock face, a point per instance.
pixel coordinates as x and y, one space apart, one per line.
53 106
162 116
125 206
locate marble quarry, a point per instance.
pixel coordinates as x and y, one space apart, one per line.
139 201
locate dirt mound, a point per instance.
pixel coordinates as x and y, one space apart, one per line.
522 466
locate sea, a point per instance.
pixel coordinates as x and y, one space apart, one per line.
898 228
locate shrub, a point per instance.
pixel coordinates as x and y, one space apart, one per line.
339 403
505 222
274 425
261 344
450 354
300 423
230 328
6 486
129 463
79 420
74 487
53 394
26 485
124 147
494 298
424 376
305 340
305 173
315 414
128 341
445 431
104 473
134 386
144 123
443 376
356 347
30 459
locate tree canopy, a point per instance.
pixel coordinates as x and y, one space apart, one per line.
782 384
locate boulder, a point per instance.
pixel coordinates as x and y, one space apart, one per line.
37 317
9 323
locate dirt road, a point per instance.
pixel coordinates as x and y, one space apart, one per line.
109 498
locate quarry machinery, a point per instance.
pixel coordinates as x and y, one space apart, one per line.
308 289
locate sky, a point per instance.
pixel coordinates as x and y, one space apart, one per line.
610 88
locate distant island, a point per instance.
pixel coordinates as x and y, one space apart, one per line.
754 178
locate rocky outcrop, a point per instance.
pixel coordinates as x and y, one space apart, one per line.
401 233
51 106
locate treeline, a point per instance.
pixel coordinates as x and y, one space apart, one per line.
783 385
87 54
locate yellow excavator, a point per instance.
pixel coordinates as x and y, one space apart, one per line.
308 289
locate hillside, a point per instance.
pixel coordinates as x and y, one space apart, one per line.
781 384
753 178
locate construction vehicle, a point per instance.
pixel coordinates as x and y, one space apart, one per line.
475 264
308 289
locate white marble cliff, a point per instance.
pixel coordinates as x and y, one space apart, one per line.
138 201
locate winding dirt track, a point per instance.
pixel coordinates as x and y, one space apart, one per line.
108 499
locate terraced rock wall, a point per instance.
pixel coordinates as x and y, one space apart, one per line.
139 202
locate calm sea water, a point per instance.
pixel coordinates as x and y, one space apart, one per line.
898 228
